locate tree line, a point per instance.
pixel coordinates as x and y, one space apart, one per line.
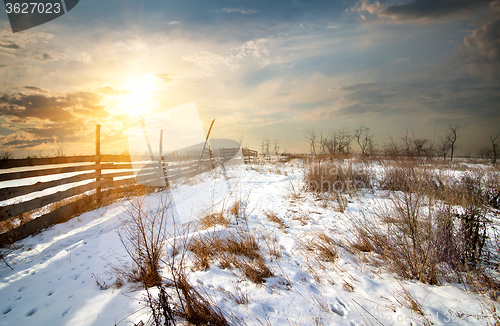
339 141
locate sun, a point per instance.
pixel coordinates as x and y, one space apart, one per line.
139 97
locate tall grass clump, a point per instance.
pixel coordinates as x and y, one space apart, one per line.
239 250
336 177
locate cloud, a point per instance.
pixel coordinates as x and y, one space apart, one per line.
403 59
34 88
164 78
486 40
209 62
51 107
432 9
10 45
175 22
83 57
481 48
45 134
254 48
239 11
423 10
333 25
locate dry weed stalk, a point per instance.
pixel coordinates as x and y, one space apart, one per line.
143 236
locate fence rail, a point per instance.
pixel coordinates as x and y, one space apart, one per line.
100 172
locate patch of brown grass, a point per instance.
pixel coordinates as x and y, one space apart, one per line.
214 219
236 208
194 307
324 246
274 218
255 270
302 218
239 251
335 177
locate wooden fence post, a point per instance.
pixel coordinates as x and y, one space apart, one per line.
98 161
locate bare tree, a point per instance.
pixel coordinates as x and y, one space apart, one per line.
276 146
311 137
452 136
444 147
344 140
494 146
322 143
364 139
265 145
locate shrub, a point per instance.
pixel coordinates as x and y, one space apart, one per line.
143 235
336 177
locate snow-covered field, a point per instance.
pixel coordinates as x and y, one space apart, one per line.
53 281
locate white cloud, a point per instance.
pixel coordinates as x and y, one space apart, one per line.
175 22
403 59
83 57
254 48
333 25
239 10
209 62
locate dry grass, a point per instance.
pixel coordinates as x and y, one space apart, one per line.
194 307
435 227
238 296
335 177
323 246
143 236
274 218
255 270
273 247
235 251
211 220
236 209
326 247
302 218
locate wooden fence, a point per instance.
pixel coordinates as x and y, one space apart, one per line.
249 155
104 174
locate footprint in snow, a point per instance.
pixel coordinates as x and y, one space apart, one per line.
21 288
50 293
77 276
31 312
337 308
65 312
18 298
6 311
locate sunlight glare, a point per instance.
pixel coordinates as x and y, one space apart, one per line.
139 100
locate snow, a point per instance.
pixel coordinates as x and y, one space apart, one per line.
53 277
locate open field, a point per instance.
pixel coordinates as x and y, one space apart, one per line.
308 242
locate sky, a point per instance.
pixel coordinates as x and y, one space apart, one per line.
261 69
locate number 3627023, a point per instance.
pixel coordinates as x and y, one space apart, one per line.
33 8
